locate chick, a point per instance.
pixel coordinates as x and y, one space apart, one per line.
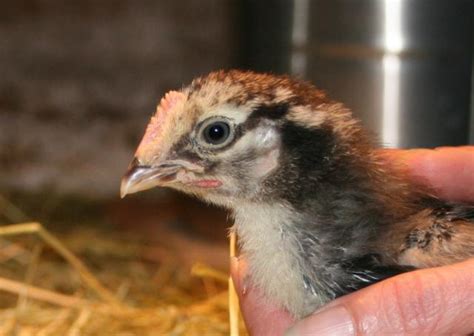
318 211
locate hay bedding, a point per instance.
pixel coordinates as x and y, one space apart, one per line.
45 289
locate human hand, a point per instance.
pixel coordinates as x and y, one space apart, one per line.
438 300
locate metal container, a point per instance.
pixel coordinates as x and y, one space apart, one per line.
403 66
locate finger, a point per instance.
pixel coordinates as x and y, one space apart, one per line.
426 302
449 170
260 315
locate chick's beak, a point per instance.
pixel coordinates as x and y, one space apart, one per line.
142 177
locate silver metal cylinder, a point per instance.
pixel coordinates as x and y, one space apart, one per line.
403 66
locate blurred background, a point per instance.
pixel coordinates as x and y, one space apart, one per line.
80 79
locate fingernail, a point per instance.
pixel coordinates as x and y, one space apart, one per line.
333 321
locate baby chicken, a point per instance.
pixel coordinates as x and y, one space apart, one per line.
318 211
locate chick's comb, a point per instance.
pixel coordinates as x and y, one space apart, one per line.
159 119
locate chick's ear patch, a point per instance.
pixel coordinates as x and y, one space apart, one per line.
266 163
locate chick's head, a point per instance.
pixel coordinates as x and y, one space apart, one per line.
221 137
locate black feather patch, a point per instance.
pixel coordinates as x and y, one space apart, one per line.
367 270
458 211
273 112
448 211
305 161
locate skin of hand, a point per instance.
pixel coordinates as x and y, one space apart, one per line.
424 302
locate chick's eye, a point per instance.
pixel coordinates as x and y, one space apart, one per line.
216 133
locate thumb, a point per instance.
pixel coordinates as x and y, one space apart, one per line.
426 302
